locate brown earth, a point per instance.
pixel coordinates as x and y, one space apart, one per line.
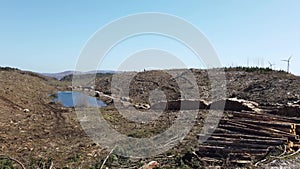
51 134
48 132
263 86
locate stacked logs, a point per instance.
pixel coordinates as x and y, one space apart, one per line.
248 136
246 133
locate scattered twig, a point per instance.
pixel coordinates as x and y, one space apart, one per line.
51 166
15 160
196 155
107 157
284 151
264 158
279 157
261 161
289 155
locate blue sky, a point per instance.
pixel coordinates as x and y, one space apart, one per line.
47 36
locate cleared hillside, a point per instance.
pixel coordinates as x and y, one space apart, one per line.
50 134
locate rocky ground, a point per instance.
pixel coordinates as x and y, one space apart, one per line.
50 135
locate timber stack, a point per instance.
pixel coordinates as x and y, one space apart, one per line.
248 137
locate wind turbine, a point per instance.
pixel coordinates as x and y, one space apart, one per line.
271 65
288 63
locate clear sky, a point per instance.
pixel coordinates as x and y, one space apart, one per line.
47 36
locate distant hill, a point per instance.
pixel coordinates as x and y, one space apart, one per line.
61 75
41 76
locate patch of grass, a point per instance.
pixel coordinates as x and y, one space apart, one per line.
40 163
109 117
140 133
6 163
75 158
53 96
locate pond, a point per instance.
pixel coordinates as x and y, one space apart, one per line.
77 99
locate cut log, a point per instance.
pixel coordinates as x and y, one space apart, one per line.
209 159
244 136
244 155
284 126
260 128
246 130
241 161
263 115
287 110
231 144
224 149
243 140
255 116
221 130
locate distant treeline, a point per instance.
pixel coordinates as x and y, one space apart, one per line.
252 69
98 75
8 68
